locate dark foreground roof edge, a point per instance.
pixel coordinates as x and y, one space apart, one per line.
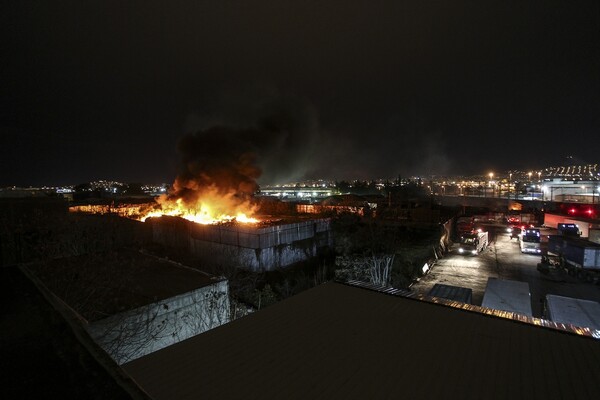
75 323
489 312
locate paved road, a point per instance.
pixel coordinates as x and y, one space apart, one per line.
503 259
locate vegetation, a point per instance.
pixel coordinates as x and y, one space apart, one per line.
366 249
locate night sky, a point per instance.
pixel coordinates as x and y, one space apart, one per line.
333 89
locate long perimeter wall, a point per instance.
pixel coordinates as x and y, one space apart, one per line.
263 248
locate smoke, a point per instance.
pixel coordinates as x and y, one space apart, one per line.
259 136
383 147
416 145
292 141
221 160
226 160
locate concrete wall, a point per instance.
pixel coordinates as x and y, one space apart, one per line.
261 237
135 333
263 248
171 231
260 259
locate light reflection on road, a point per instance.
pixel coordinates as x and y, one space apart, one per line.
503 259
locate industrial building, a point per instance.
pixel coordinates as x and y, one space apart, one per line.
567 191
266 246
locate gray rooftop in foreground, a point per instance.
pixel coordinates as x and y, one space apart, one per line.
340 341
578 312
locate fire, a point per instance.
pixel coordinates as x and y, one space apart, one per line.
216 179
212 207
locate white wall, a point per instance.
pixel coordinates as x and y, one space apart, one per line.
133 334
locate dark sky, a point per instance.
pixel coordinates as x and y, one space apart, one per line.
105 89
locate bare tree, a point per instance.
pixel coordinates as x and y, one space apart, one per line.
375 269
214 310
380 268
125 338
100 287
132 334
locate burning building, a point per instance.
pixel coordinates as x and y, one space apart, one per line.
263 246
210 211
214 192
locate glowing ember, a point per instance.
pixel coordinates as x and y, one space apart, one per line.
211 208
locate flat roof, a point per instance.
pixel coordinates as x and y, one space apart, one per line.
452 292
569 310
45 353
265 224
340 341
507 295
97 285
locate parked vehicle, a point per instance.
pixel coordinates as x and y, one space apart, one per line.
473 242
568 310
515 232
507 295
568 230
580 257
513 218
583 224
521 218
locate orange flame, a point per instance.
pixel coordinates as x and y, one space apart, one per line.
211 207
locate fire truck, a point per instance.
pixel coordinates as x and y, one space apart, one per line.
464 225
473 242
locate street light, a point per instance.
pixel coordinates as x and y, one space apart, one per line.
509 183
491 177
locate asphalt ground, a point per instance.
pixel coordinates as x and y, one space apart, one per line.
503 259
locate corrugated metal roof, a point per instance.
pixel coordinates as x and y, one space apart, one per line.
379 288
574 329
464 295
341 341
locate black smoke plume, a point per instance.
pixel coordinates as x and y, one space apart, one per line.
227 160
